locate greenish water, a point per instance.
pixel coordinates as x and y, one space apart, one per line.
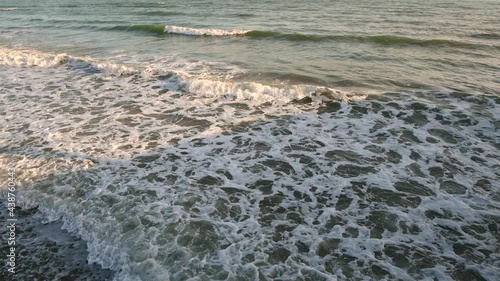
237 140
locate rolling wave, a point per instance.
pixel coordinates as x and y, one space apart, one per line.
178 80
148 28
162 13
489 36
9 57
386 40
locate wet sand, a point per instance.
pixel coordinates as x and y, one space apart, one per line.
45 251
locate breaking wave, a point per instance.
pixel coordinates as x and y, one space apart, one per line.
178 80
384 39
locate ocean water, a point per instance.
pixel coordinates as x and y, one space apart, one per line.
257 140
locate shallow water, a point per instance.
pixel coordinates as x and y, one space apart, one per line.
243 141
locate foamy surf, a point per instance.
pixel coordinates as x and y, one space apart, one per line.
239 157
187 184
253 91
180 79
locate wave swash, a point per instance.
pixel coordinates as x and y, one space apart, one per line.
171 177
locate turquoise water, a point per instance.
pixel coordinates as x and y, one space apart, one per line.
227 140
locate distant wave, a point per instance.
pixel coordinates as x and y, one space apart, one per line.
204 31
376 39
400 40
10 57
162 13
148 28
243 15
8 9
387 40
179 30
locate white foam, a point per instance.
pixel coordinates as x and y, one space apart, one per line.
11 57
182 80
203 31
254 92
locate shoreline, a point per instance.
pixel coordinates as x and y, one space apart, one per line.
47 252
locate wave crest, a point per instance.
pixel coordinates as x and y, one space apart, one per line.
203 31
31 58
